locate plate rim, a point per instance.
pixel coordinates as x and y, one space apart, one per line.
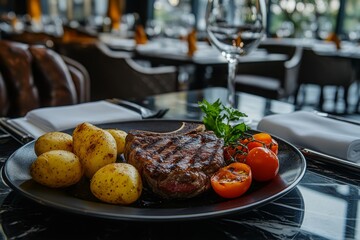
136 217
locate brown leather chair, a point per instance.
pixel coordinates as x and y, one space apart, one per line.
34 76
114 74
33 38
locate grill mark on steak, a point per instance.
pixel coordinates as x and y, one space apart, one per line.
196 158
163 159
179 147
158 142
207 160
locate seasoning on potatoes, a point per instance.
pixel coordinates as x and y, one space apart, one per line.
119 136
53 141
56 169
94 146
117 183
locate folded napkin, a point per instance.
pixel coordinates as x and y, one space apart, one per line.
162 46
42 120
306 129
118 42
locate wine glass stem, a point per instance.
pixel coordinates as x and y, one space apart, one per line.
231 81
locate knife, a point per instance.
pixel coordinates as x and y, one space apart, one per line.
324 158
339 118
17 133
144 112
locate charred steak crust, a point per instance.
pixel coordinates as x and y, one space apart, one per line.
177 164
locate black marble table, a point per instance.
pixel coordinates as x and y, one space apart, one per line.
324 205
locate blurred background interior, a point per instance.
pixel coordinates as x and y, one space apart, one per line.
136 48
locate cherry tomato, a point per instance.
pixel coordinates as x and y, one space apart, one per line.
232 181
263 162
234 153
261 140
274 146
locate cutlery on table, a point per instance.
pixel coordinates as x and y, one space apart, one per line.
339 118
4 136
325 158
14 131
24 137
144 112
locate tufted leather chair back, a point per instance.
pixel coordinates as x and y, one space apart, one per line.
34 76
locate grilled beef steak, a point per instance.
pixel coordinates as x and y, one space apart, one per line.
177 164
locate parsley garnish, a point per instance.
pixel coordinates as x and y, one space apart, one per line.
218 118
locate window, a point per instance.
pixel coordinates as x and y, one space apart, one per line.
351 24
303 18
173 18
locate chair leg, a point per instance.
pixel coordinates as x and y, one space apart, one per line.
296 97
337 97
346 95
358 96
321 99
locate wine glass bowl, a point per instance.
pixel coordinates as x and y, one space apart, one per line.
235 28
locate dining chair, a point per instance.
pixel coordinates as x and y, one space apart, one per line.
322 71
278 47
114 74
34 76
32 38
4 99
273 79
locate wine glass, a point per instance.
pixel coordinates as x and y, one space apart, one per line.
235 27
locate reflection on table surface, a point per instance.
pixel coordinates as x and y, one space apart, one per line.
185 104
324 205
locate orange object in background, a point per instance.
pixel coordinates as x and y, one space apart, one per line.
191 39
333 37
72 35
34 10
140 35
114 12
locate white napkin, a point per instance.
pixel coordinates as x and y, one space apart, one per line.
42 120
306 129
117 42
162 46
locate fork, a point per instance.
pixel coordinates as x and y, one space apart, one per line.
144 112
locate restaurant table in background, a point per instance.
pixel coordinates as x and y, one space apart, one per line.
324 205
175 52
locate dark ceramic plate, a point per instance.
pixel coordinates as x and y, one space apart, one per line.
78 199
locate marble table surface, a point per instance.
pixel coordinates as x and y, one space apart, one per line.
324 205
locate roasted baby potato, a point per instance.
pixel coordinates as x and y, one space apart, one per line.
94 146
56 169
119 136
53 141
117 183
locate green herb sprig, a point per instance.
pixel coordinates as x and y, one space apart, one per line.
218 118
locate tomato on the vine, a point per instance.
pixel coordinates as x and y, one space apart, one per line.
232 181
234 153
263 162
261 140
